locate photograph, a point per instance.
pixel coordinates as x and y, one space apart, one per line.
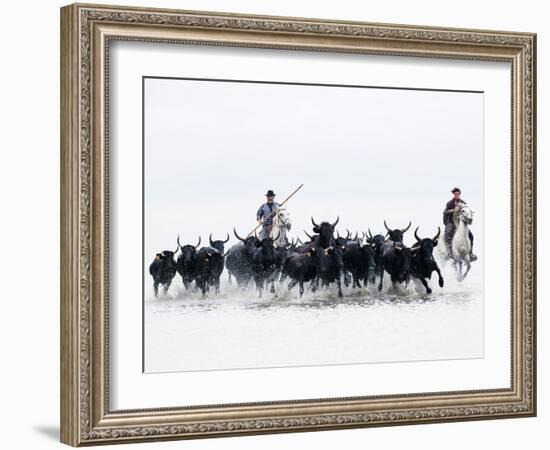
292 224
292 219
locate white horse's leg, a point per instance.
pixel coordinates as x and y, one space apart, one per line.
462 247
459 271
440 277
468 265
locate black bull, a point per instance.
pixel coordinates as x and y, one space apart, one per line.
239 259
209 269
359 261
325 232
218 244
266 263
396 235
334 272
377 243
163 269
402 262
209 265
324 240
304 267
187 263
397 261
423 262
329 270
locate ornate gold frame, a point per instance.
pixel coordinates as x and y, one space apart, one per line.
86 31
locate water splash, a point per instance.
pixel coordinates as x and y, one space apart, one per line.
236 329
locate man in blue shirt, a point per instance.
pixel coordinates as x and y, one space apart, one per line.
265 214
450 208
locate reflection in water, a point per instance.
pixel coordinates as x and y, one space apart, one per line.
194 303
239 330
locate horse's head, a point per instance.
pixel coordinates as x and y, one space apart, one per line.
283 218
465 214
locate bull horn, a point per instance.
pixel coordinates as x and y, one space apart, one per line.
416 234
299 241
179 245
386 225
313 222
227 240
338 234
370 234
348 235
210 240
356 234
308 235
237 236
198 243
408 226
336 223
436 237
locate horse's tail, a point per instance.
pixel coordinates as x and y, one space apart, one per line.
442 255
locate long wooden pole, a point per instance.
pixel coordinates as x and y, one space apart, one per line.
280 205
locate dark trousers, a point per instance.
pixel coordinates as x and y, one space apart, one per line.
266 229
449 233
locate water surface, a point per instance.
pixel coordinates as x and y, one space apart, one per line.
237 330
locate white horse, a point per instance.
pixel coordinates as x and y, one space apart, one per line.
281 224
461 246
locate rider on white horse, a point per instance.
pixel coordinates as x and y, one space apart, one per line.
451 207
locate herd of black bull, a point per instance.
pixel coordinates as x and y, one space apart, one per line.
324 260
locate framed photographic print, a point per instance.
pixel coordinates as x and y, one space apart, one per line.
275 224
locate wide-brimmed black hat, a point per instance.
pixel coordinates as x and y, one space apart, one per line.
270 193
455 189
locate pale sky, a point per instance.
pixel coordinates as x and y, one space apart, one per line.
212 149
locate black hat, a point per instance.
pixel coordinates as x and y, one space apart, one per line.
455 189
270 193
